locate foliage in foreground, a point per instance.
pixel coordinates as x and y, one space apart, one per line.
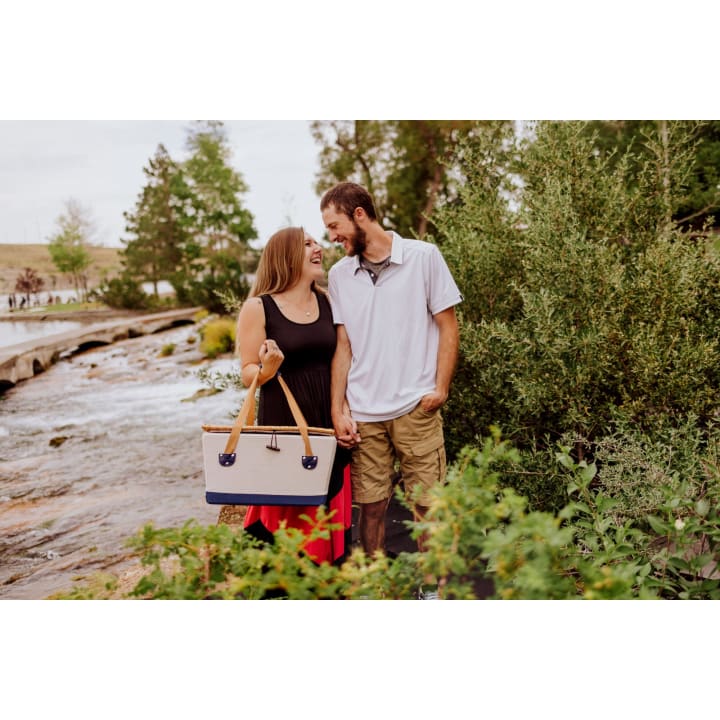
477 529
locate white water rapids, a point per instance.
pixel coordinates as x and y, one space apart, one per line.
95 448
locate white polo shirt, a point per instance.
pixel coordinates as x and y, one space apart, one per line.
390 325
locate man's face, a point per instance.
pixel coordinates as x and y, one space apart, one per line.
344 229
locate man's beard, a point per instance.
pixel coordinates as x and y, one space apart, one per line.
358 241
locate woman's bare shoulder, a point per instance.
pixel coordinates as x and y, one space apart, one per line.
252 303
251 309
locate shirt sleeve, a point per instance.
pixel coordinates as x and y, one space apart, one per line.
334 298
443 292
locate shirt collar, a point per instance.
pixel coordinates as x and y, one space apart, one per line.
396 252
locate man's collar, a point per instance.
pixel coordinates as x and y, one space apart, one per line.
396 252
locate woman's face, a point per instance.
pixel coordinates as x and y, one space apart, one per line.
312 267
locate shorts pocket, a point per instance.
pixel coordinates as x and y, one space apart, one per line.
420 432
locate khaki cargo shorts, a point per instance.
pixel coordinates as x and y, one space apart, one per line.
415 439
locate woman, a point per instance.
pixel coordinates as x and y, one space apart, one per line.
286 324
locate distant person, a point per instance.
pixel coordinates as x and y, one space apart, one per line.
393 302
22 302
11 302
286 324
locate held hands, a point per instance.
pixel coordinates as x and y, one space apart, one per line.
271 358
346 431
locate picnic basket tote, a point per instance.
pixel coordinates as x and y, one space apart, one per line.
247 464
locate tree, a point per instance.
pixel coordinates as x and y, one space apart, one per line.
354 150
699 200
409 166
221 223
189 226
29 283
159 225
68 246
220 226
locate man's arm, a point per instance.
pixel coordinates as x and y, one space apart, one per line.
446 359
345 426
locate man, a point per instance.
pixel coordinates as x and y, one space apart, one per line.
393 302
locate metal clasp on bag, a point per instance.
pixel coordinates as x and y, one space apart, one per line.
273 443
226 459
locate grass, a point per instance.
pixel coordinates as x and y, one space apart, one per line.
73 307
61 308
15 257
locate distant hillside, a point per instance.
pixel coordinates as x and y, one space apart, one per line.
15 257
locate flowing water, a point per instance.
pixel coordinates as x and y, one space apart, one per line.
19 331
93 449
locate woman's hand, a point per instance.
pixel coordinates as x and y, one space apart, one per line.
271 357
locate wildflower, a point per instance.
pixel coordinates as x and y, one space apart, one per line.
679 524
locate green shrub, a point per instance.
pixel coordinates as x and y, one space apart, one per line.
221 288
476 531
585 307
219 561
218 337
123 292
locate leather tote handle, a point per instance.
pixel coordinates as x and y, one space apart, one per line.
247 410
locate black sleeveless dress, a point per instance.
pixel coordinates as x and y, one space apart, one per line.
308 349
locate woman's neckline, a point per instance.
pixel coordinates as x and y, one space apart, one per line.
297 322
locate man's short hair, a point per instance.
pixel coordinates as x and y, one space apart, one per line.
346 196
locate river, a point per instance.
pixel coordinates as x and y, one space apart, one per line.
96 447
19 331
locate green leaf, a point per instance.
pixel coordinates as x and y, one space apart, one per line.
589 472
658 525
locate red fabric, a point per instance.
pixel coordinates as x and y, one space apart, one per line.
320 550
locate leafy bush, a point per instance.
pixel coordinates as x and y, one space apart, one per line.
476 530
218 337
586 310
123 292
218 561
223 284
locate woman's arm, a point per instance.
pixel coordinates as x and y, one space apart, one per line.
253 346
345 427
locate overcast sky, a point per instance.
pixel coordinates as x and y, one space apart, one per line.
100 162
232 70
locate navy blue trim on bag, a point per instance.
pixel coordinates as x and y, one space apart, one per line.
220 498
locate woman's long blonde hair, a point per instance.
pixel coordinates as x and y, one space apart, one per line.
281 262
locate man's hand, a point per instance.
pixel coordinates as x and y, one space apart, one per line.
346 430
433 401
